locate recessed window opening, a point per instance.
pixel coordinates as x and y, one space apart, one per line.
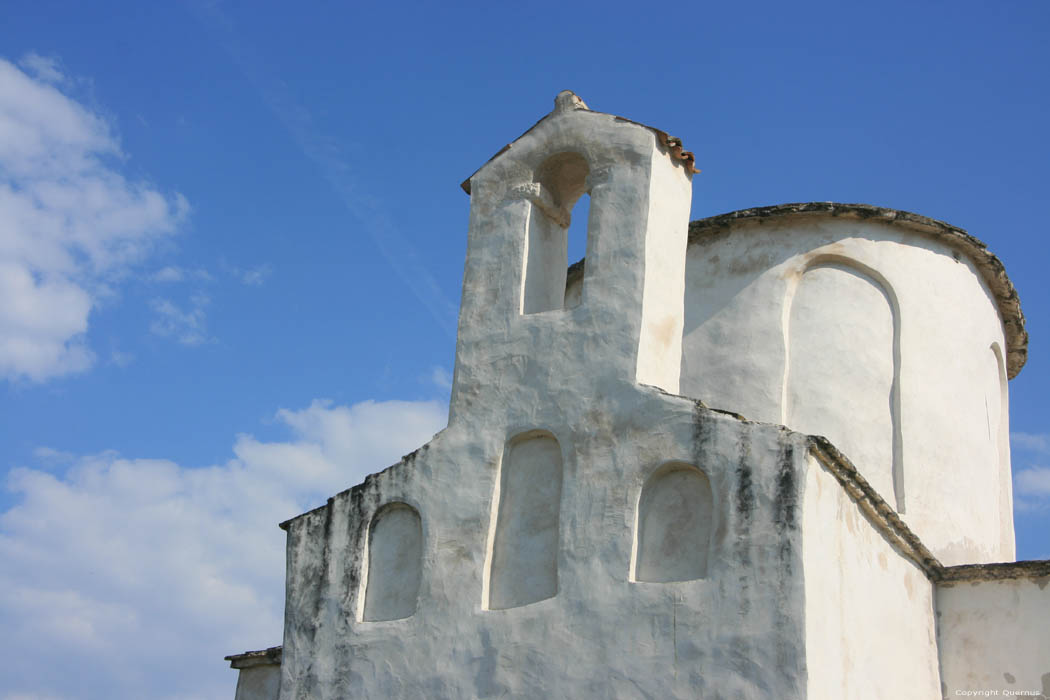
561 181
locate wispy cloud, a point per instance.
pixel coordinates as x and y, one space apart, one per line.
49 455
132 570
1030 456
1033 442
174 273
328 156
72 223
441 378
186 325
253 276
1034 481
120 358
44 68
168 274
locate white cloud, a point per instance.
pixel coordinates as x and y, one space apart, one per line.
188 326
139 575
72 223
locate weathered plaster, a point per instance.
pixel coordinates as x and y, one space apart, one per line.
737 633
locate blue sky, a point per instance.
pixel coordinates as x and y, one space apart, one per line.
235 291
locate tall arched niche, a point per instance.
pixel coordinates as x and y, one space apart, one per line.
395 563
675 522
842 368
523 554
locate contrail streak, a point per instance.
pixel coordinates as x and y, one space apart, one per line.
324 151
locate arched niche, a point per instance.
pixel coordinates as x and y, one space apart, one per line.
558 184
395 563
523 558
842 369
674 525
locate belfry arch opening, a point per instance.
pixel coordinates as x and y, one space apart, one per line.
555 218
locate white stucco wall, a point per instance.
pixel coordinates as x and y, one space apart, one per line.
870 630
995 636
948 450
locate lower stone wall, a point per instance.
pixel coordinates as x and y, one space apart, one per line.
259 674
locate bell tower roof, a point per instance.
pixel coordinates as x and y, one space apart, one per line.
569 101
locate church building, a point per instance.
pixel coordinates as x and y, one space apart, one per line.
760 455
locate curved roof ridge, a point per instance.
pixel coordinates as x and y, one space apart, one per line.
990 267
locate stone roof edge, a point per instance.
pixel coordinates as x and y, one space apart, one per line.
885 518
879 512
404 461
672 144
263 657
997 571
990 267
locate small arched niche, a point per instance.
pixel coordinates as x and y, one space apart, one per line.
523 565
558 184
675 522
395 563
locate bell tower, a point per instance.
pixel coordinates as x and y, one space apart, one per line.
523 319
